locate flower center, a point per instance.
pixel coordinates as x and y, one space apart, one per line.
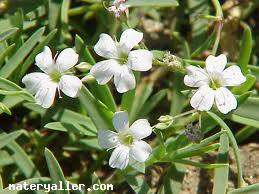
126 139
215 84
55 75
122 58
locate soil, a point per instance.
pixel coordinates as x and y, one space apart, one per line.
200 181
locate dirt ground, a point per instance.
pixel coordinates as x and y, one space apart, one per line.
199 181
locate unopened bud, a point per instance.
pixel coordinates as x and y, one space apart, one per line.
83 67
165 118
88 78
173 62
161 126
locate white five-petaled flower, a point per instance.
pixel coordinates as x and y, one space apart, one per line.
44 85
127 141
121 60
118 7
212 82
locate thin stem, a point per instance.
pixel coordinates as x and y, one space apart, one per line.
219 12
219 25
185 113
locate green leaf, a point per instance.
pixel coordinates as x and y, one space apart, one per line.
40 180
221 174
201 165
155 3
55 172
247 85
207 43
186 153
20 55
247 113
139 101
98 112
6 52
53 13
7 34
251 189
245 49
64 11
1 183
102 92
5 109
245 133
233 144
152 103
63 115
68 127
172 181
6 139
138 184
30 59
5 158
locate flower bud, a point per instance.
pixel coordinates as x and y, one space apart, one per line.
88 78
83 67
173 62
165 118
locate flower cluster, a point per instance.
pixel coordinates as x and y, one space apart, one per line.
121 59
118 7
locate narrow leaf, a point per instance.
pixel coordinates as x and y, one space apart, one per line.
55 171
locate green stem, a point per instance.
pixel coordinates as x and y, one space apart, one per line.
234 145
200 165
185 113
219 25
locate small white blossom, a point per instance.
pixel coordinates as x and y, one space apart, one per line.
212 82
127 141
44 85
118 7
121 60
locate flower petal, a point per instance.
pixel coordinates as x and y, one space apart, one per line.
104 70
66 59
33 81
140 151
44 60
233 76
216 64
124 79
120 157
140 60
107 139
225 100
46 94
129 39
196 76
106 47
120 121
140 129
70 85
203 99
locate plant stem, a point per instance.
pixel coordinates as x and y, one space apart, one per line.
219 25
185 113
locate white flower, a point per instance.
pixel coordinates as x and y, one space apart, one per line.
118 7
121 60
127 141
212 82
44 85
